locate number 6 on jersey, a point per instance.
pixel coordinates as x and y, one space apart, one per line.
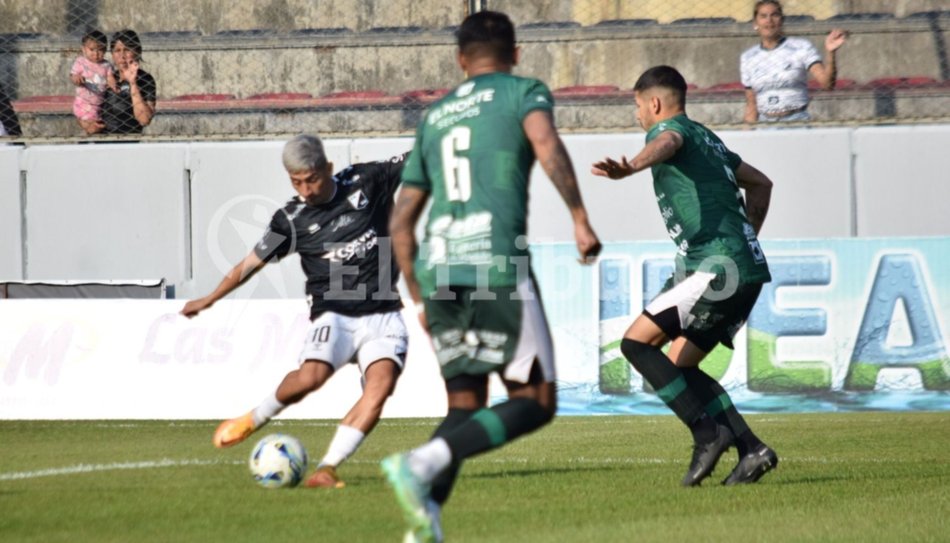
457 170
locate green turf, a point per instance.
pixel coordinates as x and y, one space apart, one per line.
843 477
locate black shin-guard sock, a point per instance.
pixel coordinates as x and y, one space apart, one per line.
442 485
666 379
492 427
719 405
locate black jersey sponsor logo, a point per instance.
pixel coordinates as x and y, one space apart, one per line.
341 252
342 222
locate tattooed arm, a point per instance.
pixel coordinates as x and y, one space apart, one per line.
552 155
662 148
402 227
758 193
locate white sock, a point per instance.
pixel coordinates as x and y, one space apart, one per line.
345 442
429 460
267 410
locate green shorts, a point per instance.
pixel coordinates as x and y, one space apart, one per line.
499 329
702 309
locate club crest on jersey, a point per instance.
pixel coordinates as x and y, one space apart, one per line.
313 228
358 200
465 89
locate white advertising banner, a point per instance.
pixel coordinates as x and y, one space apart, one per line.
140 359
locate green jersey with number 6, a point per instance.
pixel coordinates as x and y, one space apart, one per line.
702 206
472 156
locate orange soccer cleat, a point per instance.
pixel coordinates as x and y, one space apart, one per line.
325 477
234 431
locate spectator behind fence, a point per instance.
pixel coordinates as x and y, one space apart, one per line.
775 72
129 108
9 124
92 75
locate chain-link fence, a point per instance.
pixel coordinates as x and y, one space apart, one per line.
252 68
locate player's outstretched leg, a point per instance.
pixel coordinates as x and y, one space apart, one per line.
295 386
753 466
380 380
233 431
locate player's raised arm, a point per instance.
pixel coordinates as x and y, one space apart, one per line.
402 227
549 149
238 275
758 193
659 150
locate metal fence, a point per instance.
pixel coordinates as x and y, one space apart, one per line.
253 69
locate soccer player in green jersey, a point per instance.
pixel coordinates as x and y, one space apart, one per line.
472 158
719 272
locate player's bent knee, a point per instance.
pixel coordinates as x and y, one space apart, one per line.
313 373
634 350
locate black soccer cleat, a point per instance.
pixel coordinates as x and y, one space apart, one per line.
706 455
753 466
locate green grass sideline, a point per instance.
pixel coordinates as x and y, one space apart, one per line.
843 477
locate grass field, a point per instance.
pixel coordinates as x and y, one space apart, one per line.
842 477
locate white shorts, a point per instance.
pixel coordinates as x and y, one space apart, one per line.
338 339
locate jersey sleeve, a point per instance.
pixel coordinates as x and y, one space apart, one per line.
77 67
392 171
733 160
385 174
147 87
413 171
278 240
745 73
665 126
536 96
809 53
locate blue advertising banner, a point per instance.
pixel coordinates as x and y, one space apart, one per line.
845 325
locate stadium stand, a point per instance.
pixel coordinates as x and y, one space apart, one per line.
363 49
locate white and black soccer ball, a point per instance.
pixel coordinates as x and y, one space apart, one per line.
278 461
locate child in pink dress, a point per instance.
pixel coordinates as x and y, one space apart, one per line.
91 74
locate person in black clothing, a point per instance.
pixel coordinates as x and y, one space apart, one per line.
9 124
339 225
132 107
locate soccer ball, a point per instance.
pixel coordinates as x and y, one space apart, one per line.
278 461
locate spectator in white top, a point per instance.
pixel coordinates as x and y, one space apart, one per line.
775 72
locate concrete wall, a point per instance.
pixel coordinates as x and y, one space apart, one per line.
187 212
209 16
396 63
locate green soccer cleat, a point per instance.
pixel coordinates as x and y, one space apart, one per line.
413 497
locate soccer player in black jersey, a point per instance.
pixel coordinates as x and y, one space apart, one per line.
339 225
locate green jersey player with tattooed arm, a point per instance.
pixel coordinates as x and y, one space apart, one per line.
472 158
719 272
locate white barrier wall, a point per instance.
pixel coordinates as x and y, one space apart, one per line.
106 212
11 259
187 212
903 180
